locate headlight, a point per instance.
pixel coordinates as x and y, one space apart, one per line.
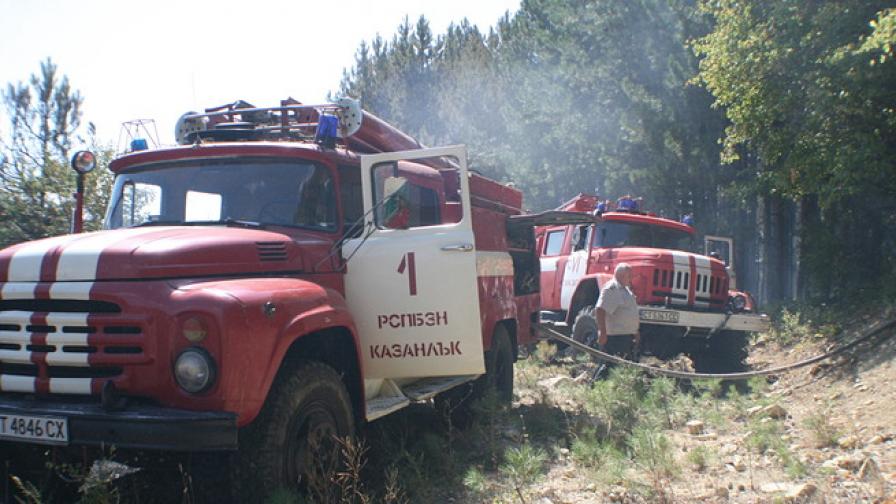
194 370
738 303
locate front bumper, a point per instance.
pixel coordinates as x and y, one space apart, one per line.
138 426
751 322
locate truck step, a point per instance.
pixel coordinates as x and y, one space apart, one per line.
429 387
383 405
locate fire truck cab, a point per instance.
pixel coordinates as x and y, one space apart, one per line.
687 300
282 276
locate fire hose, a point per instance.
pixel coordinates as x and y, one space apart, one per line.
866 335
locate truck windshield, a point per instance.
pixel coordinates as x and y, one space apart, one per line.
263 191
627 234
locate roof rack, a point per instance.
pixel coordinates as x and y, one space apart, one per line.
343 121
241 120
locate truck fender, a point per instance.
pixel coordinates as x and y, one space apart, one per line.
326 321
277 313
586 293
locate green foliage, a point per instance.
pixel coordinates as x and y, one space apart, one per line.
808 91
523 466
700 457
37 184
789 329
604 458
652 451
819 426
475 480
545 351
617 402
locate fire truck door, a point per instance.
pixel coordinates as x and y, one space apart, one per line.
722 248
577 265
411 281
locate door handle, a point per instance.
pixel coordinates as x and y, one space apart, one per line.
458 247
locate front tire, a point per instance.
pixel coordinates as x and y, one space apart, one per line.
293 443
584 329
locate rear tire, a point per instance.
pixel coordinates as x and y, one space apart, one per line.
456 404
293 441
499 366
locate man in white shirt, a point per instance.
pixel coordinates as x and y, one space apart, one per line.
617 314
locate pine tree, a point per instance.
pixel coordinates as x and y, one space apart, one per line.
37 184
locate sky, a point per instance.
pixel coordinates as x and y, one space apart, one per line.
162 58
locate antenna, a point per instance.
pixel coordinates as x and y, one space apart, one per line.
138 134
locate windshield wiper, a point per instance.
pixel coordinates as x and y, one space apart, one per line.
243 223
159 223
228 222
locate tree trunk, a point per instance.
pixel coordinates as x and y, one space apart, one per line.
762 289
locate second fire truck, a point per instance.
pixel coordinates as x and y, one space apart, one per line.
688 302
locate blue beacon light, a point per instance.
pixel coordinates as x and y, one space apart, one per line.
138 144
327 130
627 203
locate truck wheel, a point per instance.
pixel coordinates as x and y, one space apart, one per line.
455 404
499 366
292 443
584 329
725 352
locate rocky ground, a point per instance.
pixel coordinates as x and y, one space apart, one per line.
825 433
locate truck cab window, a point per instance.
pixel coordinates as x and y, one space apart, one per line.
625 234
318 208
351 198
580 238
202 206
401 204
140 202
271 191
554 242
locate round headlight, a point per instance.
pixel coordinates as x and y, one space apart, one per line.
738 302
194 370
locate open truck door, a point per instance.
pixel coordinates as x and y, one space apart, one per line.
556 226
425 320
722 248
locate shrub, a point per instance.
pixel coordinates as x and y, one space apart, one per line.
522 466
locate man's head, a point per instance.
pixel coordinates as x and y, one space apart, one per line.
623 274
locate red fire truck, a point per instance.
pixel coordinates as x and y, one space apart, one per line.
687 301
282 276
